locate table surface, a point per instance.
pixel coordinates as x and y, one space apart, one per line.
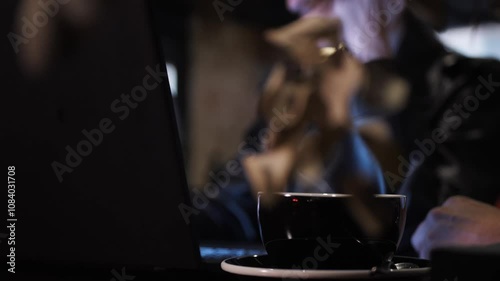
78 273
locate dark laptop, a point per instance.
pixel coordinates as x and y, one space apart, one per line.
96 150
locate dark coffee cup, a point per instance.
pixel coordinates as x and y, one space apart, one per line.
330 231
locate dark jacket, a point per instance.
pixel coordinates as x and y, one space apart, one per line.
452 120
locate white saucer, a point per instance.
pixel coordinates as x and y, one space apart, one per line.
256 266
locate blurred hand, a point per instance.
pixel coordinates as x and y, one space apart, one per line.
313 44
460 221
303 38
315 87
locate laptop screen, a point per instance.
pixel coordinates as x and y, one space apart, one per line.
91 132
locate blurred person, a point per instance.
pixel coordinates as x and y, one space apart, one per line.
433 140
449 124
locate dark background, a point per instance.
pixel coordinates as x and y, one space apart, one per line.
41 116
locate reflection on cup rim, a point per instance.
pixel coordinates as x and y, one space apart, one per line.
328 195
